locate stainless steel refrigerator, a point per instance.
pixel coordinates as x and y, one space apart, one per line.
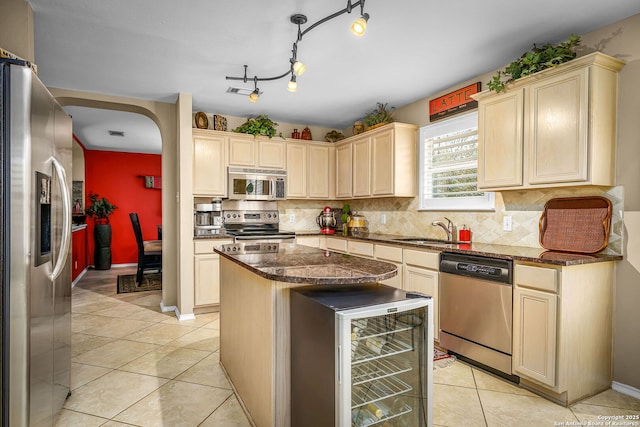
35 234
361 355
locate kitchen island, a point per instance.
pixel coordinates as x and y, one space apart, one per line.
254 315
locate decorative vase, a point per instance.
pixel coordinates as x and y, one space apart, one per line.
358 128
102 250
306 133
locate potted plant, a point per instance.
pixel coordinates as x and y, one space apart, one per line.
101 209
379 117
537 59
260 125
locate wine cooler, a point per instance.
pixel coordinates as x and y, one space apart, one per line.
361 355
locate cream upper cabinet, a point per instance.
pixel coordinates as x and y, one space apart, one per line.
554 128
271 154
562 328
310 170
209 164
297 170
361 167
322 167
393 161
344 168
378 163
500 140
242 150
261 152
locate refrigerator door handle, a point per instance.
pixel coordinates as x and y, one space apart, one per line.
66 219
339 364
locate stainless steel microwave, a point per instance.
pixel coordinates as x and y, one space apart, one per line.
256 184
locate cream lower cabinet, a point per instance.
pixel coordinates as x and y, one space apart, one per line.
562 329
207 272
209 164
421 274
336 244
393 255
554 128
311 241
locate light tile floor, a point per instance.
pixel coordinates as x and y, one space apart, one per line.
133 365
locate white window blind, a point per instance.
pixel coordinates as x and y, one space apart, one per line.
449 166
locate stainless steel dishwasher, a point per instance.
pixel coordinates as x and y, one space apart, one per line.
476 309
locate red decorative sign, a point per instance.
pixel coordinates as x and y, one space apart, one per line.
453 103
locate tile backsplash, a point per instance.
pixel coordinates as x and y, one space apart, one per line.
403 217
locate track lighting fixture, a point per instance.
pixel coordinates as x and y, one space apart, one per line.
296 68
253 96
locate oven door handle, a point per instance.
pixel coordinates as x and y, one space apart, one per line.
255 238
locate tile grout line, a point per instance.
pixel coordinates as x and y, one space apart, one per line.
484 415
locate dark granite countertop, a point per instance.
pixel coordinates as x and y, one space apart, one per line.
301 264
518 253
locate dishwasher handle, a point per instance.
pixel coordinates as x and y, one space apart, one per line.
489 269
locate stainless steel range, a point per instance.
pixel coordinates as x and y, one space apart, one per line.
254 221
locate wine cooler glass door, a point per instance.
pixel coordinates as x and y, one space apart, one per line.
386 362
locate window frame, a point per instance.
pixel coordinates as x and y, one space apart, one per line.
470 203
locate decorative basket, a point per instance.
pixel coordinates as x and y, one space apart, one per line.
576 224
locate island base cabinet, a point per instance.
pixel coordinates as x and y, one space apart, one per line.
562 331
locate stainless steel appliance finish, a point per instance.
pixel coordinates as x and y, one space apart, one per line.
245 248
256 184
252 221
476 301
207 218
36 151
361 355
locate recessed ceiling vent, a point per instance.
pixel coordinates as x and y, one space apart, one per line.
240 91
116 133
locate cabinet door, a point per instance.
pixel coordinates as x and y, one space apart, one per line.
207 279
344 168
382 164
534 335
75 250
296 170
311 241
395 281
424 281
209 166
242 151
271 154
320 171
558 120
362 167
500 140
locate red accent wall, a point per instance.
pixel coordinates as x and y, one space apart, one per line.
115 175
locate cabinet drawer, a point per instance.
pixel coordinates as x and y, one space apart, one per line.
389 253
545 279
206 246
360 248
334 244
311 241
422 258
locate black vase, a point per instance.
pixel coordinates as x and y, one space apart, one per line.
102 251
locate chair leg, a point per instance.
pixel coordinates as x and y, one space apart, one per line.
139 274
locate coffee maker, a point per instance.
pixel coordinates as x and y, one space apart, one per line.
326 221
207 218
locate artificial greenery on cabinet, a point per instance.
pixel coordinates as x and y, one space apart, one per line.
259 125
537 59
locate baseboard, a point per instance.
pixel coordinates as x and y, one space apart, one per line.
167 308
82 273
184 316
135 264
626 389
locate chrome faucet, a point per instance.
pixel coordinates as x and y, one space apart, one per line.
448 228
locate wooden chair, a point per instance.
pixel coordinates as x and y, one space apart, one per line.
149 251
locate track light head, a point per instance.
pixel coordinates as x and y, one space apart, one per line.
359 26
292 86
253 96
299 68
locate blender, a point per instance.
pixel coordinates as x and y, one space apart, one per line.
326 220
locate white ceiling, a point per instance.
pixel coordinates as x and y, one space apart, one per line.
153 49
